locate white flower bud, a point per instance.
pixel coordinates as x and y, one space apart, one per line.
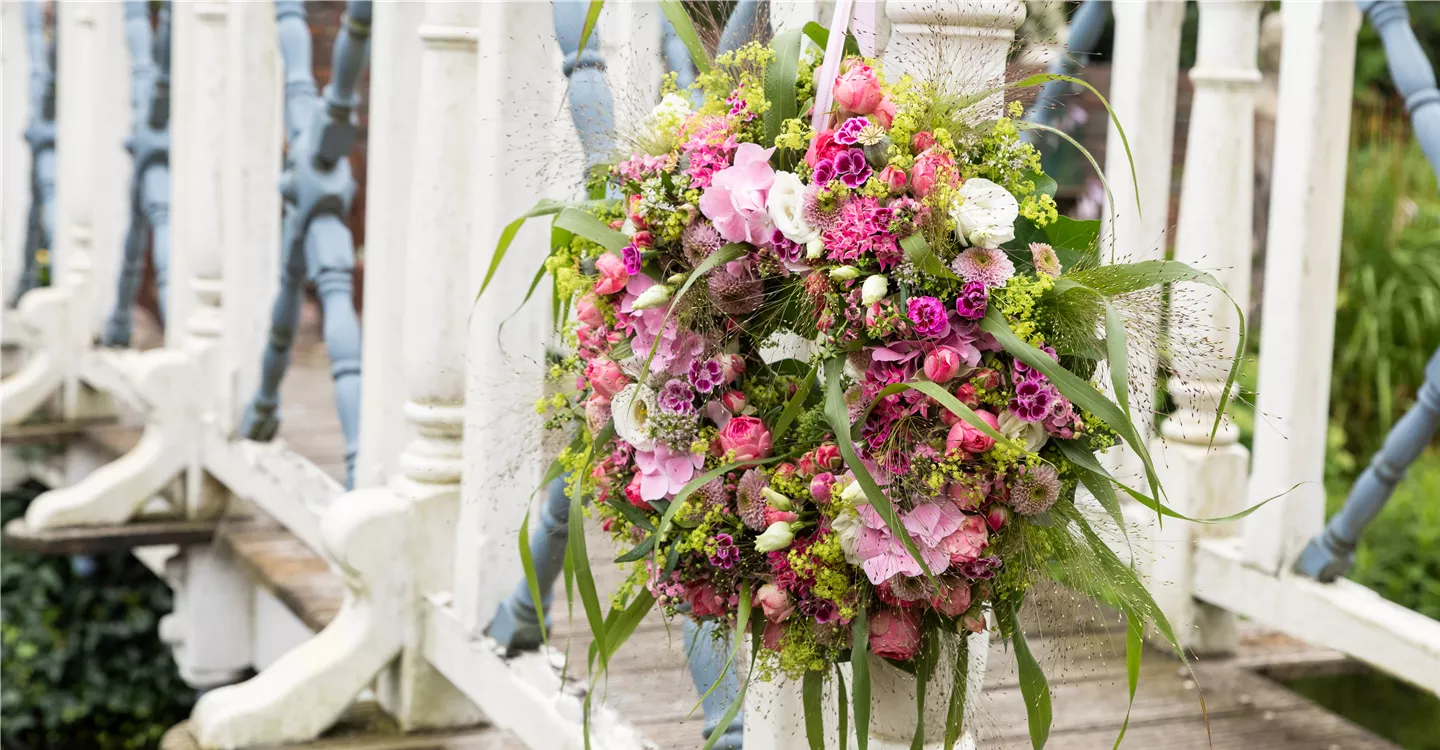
844 273
874 289
655 296
814 248
777 500
777 535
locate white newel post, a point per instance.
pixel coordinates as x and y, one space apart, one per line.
394 68
1302 265
1143 80
518 79
976 37
1214 234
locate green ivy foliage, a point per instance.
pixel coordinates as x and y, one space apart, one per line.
82 660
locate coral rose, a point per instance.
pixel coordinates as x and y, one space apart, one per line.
747 437
970 439
895 634
823 148
953 599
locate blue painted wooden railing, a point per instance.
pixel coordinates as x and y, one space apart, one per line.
316 244
149 145
1332 553
516 623
40 135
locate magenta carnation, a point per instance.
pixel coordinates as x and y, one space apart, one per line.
929 316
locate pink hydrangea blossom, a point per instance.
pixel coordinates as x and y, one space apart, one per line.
664 472
735 200
678 348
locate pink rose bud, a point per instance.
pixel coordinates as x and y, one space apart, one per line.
775 602
612 274
970 439
605 377
643 239
885 112
732 366
780 516
786 469
587 312
929 167
827 455
895 633
953 599
617 224
966 395
734 401
997 516
858 90
820 487
921 141
806 465
986 378
974 623
607 524
632 493
894 178
942 364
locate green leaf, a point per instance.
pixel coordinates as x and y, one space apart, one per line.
918 252
1033 686
924 670
1065 233
838 417
532 581
860 667
591 228
580 558
1134 649
796 403
780 78
1118 357
955 714
812 689
1103 492
634 515
674 11
842 706
591 17
821 37
639 551
544 208
1044 183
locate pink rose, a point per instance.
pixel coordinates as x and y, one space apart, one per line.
735 200
965 394
921 141
747 437
894 634
775 602
822 147
806 465
942 364
587 312
734 401
820 487
894 178
643 238
858 89
966 496
705 601
605 377
997 516
780 516
612 273
953 599
885 113
931 165
968 542
985 377
969 439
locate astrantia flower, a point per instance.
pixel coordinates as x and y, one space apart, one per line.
984 213
750 499
928 315
987 265
1035 490
972 301
700 240
1045 260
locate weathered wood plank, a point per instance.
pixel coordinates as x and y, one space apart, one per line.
90 540
287 568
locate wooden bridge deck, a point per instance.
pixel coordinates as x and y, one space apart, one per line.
1082 650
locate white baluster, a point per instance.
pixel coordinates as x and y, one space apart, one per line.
969 39
1215 233
250 162
394 68
15 178
503 435
1302 263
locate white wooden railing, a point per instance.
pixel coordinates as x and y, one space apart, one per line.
426 543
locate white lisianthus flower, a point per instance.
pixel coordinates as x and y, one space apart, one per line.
854 494
655 296
984 213
814 248
671 112
777 500
777 535
786 204
630 410
846 525
874 289
1033 433
844 273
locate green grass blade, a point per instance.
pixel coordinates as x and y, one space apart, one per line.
1134 649
701 481
1033 686
780 78
532 581
812 689
860 667
742 623
591 228
684 29
842 706
592 15
507 235
955 714
584 578
732 251
796 403
1118 358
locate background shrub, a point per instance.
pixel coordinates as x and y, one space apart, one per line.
82 659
